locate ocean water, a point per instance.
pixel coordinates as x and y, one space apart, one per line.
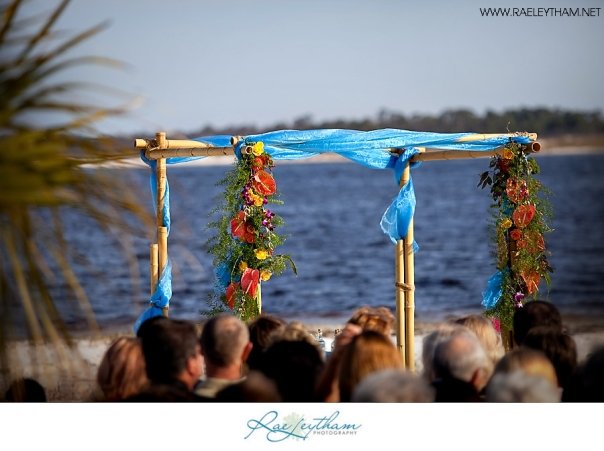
332 213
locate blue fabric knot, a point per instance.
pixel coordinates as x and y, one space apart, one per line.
160 298
395 220
491 296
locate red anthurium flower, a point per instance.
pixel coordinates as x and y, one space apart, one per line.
249 281
516 234
231 292
249 236
531 279
264 184
535 242
523 215
503 165
238 225
258 162
516 189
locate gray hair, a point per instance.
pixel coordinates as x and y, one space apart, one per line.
431 341
460 357
223 339
521 387
393 385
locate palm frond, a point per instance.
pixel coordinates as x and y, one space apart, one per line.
45 170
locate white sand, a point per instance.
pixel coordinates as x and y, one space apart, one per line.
70 374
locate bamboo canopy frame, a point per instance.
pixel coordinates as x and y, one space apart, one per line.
161 148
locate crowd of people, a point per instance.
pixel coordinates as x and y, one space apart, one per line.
272 360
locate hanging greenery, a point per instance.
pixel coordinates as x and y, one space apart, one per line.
246 238
520 223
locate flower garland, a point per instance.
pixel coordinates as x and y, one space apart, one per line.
244 247
519 224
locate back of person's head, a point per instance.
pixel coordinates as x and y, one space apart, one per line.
590 378
530 361
486 333
25 390
122 371
442 333
393 385
295 367
256 387
260 330
223 340
379 319
165 393
368 352
462 358
294 331
534 314
518 386
168 344
559 348
148 325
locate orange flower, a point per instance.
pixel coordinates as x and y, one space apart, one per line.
242 229
534 242
257 163
516 189
249 281
516 234
249 236
532 280
508 154
231 293
264 184
238 225
523 215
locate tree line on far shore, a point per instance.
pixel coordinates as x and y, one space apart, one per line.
546 122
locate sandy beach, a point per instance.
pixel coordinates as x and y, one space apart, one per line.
69 374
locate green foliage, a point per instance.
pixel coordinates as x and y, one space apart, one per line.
521 212
245 239
49 167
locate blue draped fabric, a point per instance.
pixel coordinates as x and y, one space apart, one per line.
494 290
371 149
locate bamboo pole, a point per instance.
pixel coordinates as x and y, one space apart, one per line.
169 143
156 154
162 232
484 136
402 287
405 265
433 155
409 299
154 266
399 270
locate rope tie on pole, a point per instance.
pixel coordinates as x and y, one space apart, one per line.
404 286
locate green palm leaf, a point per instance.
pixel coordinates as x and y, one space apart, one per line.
43 171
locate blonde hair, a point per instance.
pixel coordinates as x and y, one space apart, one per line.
122 371
379 319
368 352
294 331
489 338
529 361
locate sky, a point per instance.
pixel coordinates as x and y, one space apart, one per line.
192 63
